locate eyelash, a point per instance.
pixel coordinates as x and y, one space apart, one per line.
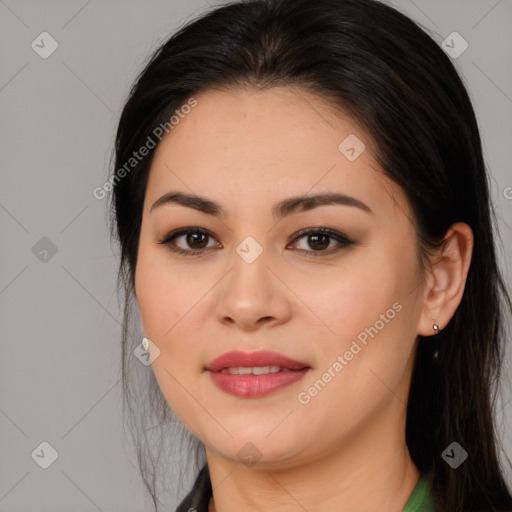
339 237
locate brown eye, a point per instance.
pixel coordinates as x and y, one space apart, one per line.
193 241
319 239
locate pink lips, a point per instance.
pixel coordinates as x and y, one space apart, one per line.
255 385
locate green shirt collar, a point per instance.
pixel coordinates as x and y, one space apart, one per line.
421 499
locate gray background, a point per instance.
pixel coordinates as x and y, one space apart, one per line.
60 320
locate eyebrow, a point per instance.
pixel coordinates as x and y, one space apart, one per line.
279 210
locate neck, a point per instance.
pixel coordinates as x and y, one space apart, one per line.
369 470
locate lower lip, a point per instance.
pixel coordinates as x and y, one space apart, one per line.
252 386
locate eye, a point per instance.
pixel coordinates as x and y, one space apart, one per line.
320 239
197 240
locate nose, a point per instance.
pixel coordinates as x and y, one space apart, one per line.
252 295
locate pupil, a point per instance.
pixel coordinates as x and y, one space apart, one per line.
316 237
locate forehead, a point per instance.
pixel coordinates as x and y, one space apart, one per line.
279 142
273 125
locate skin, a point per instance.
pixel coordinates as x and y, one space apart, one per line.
248 150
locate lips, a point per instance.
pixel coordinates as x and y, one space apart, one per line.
251 359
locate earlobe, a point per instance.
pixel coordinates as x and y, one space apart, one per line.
447 279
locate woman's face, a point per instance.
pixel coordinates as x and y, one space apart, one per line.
348 310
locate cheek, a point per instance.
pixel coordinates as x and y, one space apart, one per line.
366 313
169 300
345 301
163 300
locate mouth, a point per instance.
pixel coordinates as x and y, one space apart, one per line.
255 374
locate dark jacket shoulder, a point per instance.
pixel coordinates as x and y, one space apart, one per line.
198 499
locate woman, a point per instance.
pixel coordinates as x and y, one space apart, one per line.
304 219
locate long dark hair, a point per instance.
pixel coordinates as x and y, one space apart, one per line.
389 75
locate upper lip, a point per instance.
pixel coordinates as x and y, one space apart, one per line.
237 358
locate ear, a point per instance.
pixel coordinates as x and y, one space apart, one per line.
446 279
